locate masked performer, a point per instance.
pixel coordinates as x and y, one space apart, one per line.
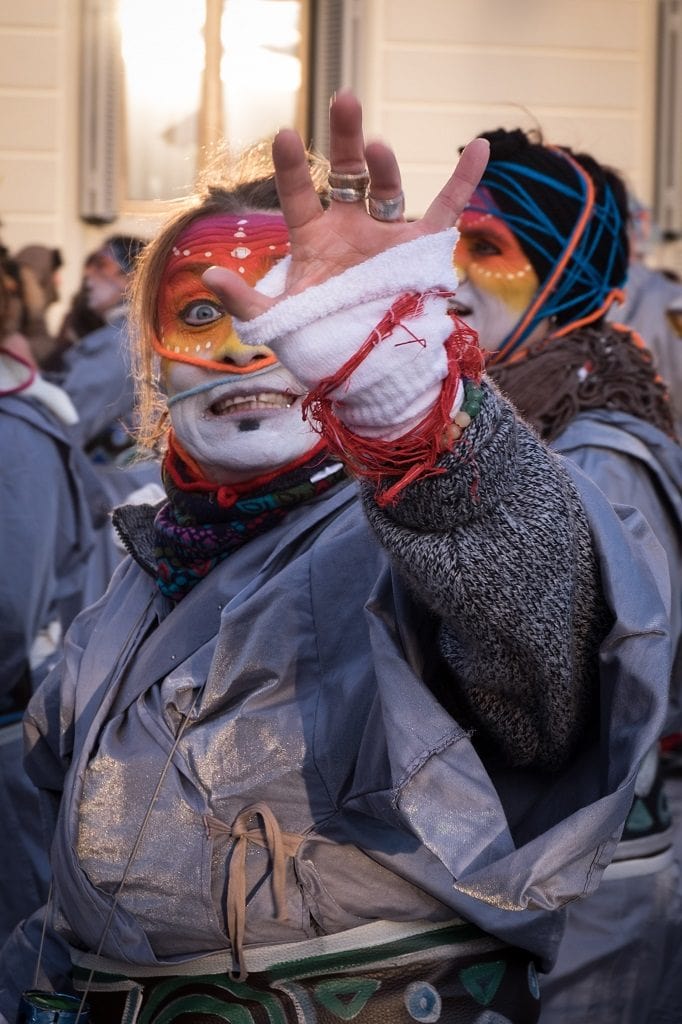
542 256
366 704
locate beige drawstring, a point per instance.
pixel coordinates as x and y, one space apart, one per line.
279 845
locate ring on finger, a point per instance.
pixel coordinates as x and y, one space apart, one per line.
348 195
387 209
355 181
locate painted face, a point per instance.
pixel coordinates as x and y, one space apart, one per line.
497 279
234 408
193 326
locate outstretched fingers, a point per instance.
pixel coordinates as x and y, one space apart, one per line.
455 194
384 171
297 196
346 141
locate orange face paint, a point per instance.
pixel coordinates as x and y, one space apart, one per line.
193 326
489 256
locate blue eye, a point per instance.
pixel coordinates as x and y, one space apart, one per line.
201 312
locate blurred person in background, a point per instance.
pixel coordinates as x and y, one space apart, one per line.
78 321
50 511
97 371
39 271
652 305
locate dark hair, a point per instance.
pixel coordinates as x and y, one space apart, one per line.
125 249
569 213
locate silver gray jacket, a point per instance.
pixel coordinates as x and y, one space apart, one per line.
638 466
302 673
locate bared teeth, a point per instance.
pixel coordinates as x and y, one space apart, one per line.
252 403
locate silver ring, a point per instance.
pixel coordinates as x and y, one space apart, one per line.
387 209
359 180
348 195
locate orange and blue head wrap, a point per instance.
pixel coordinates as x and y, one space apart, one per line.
570 218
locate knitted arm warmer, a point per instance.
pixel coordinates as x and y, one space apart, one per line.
499 548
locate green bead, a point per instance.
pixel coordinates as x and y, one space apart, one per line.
473 408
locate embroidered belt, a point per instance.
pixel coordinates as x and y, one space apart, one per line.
451 973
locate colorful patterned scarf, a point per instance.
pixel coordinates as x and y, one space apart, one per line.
202 522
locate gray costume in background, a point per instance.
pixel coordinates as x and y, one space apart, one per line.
649 295
98 379
47 533
631 926
370 683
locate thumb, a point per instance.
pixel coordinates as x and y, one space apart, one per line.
237 297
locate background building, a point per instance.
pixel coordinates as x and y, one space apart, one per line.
109 108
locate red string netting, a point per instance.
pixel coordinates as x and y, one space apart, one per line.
412 456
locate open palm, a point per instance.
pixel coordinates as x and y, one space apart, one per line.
326 242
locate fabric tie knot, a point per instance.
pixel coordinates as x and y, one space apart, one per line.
279 845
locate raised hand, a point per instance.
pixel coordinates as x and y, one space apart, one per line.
324 243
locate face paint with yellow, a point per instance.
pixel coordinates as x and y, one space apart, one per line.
193 326
489 254
497 280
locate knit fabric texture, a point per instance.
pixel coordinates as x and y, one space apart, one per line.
198 527
494 687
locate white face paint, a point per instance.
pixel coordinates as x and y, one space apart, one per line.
487 313
237 426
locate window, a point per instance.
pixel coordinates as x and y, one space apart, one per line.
164 84
201 72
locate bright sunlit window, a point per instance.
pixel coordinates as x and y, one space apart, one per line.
203 73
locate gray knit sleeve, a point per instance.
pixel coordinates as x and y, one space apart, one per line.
499 548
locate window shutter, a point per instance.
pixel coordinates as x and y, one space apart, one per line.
100 85
668 161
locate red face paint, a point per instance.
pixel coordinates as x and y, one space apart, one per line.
193 326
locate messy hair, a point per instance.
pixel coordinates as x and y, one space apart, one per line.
242 184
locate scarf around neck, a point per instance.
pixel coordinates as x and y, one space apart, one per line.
203 522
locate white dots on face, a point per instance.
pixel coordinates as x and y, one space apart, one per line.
208 255
475 220
241 270
186 252
241 252
207 345
240 234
